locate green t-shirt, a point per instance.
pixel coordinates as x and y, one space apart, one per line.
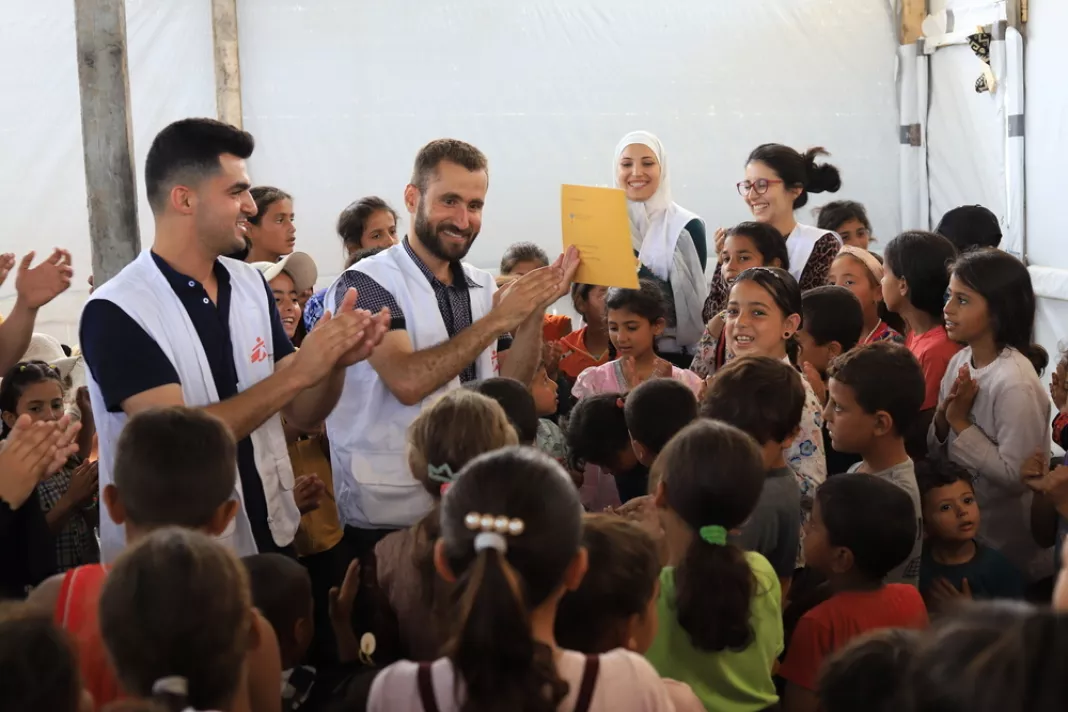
731 680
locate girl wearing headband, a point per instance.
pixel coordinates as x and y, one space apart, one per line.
511 544
720 607
860 272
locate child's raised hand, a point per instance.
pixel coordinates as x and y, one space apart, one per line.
943 594
308 490
816 381
1058 387
341 600
1033 471
720 240
661 369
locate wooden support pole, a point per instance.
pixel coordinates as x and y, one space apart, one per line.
913 13
227 64
107 135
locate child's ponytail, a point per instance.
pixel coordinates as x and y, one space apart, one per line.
714 586
493 616
712 475
511 528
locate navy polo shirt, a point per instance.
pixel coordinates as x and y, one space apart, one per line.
125 361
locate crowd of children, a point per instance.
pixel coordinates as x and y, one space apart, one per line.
801 519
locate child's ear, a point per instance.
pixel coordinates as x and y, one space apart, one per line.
113 503
642 453
792 324
222 517
884 423
440 564
660 496
834 350
9 419
304 633
658 327
841 560
576 570
791 437
775 262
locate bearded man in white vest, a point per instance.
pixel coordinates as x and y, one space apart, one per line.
446 321
182 325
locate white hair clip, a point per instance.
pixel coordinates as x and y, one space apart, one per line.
492 530
174 685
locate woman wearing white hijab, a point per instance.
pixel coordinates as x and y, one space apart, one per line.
668 239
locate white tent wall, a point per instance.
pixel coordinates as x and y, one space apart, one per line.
341 94
42 170
1046 126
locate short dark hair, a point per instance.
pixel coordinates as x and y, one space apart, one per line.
281 590
40 668
623 569
870 673
363 255
922 260
833 313
871 517
942 473
970 227
767 239
452 150
837 212
760 396
799 169
884 377
353 219
657 409
522 252
597 431
174 466
265 196
517 402
187 151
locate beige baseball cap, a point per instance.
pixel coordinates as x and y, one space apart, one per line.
298 265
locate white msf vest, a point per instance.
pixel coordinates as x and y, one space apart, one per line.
799 244
146 296
368 431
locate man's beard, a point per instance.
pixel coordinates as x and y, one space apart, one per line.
430 236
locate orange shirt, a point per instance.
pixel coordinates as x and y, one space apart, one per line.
555 327
576 359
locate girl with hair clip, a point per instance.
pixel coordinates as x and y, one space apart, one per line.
994 413
762 318
860 272
68 497
777 183
636 321
720 607
177 619
746 245
366 224
668 239
411 618
511 544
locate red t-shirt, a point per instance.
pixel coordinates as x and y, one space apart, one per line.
933 350
836 621
76 613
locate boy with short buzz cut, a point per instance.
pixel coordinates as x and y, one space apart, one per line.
861 528
655 412
765 398
832 326
955 566
875 394
174 466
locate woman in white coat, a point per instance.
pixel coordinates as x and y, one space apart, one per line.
668 240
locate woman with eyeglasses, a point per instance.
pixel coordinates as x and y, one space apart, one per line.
777 182
668 239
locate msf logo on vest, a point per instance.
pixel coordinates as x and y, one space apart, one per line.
259 351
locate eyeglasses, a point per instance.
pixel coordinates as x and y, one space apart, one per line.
759 186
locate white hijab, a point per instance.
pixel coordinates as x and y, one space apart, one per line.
655 227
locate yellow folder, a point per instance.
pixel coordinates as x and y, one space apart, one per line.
595 221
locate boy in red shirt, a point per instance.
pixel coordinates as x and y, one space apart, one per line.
861 528
173 467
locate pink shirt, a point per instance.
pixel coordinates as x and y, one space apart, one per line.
933 350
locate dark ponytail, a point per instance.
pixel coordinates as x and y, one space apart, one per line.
494 653
1005 284
18 379
799 169
712 474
